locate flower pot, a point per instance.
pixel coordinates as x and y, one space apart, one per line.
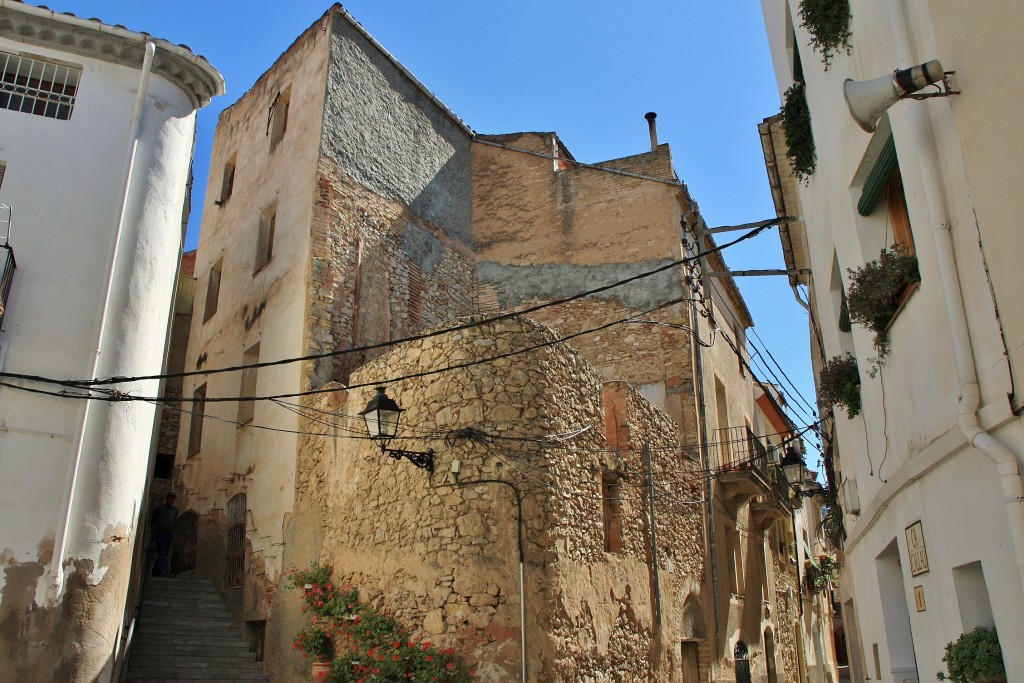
321 670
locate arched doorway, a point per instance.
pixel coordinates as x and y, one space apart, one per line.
741 656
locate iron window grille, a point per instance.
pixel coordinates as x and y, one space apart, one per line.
38 87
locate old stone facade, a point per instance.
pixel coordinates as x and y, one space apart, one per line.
440 553
388 217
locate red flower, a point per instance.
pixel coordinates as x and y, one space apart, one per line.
394 658
430 658
449 666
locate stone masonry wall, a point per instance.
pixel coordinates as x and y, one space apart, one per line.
441 555
379 272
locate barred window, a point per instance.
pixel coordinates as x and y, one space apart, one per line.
234 564
37 87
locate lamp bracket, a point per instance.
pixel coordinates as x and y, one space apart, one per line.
422 459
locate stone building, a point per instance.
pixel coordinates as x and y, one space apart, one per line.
349 210
926 459
98 129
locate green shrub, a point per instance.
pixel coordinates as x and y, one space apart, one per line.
975 657
875 293
796 124
828 22
839 384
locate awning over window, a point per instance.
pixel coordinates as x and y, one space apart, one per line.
878 178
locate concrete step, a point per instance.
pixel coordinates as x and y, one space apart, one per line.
185 633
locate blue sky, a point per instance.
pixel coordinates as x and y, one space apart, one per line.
586 69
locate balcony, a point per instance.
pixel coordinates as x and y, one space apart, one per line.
6 259
746 472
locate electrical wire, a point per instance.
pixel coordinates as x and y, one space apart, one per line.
80 383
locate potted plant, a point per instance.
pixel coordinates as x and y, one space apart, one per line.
819 576
795 117
839 384
877 291
975 657
828 22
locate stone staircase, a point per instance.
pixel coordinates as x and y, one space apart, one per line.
184 633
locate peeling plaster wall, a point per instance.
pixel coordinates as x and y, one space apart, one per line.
442 558
65 627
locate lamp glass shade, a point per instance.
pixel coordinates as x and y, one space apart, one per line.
381 415
793 466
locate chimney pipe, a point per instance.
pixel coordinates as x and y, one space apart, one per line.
650 116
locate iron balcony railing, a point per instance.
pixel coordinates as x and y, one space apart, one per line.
9 265
6 256
738 448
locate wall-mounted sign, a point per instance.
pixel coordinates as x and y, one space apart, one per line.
916 549
919 598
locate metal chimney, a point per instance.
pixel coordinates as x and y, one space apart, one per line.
650 116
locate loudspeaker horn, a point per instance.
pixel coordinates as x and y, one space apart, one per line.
868 100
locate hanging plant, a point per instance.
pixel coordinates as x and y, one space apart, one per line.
795 117
975 657
839 384
876 293
828 22
819 576
832 526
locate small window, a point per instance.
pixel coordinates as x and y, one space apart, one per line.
278 123
228 182
234 560
612 511
213 290
265 242
36 86
3 168
195 433
246 409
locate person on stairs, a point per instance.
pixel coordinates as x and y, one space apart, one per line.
162 526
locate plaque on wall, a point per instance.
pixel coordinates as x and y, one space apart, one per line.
916 549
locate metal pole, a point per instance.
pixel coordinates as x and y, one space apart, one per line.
654 533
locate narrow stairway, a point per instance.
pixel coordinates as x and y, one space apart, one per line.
184 633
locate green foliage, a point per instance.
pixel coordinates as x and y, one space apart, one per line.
366 644
974 658
796 124
875 292
832 524
828 22
820 576
839 384
316 643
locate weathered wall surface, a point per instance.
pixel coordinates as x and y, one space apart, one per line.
391 137
256 303
547 229
442 557
379 272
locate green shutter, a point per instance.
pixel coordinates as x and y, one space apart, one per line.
878 178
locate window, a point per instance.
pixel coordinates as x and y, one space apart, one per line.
612 512
3 168
278 123
213 290
195 432
899 217
265 242
234 560
246 409
36 86
228 182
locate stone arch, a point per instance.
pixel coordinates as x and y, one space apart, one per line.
693 619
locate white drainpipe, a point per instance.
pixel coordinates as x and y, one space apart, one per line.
970 392
61 542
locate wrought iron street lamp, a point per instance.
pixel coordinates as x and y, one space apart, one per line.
382 415
796 473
